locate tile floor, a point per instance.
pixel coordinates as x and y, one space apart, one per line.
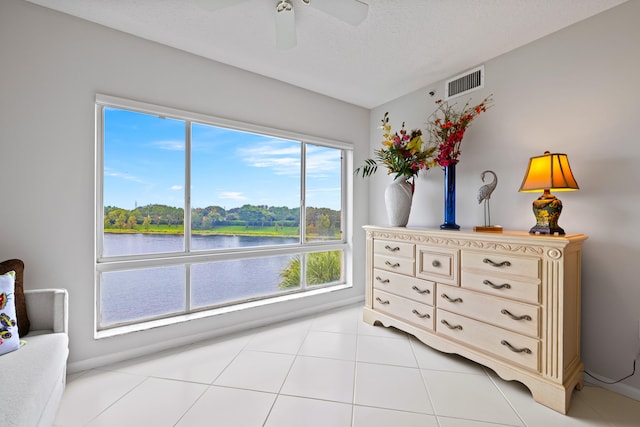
329 370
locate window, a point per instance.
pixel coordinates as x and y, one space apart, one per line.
196 213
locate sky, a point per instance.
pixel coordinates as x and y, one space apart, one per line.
144 163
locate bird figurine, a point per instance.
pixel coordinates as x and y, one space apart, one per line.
484 194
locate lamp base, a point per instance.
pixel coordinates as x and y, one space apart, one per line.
547 209
546 230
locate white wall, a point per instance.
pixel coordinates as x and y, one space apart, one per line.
576 92
51 67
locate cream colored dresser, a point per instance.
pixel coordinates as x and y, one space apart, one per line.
510 301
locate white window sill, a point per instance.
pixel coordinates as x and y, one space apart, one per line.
123 330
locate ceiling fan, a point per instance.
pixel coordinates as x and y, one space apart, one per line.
350 11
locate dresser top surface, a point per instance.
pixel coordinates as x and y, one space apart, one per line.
470 234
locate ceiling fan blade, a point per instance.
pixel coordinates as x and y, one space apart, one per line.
350 11
285 26
217 4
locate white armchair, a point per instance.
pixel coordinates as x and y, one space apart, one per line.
33 377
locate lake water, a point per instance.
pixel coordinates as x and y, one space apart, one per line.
137 294
132 244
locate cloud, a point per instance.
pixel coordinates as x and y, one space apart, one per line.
122 175
176 188
322 162
334 190
283 157
233 195
169 145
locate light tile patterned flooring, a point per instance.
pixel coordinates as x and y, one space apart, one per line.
329 370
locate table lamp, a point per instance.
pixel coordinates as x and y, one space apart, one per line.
546 173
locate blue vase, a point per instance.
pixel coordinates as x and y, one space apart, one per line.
450 198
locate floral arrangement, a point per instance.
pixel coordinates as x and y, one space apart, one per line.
402 153
446 128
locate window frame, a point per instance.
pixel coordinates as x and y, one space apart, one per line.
187 257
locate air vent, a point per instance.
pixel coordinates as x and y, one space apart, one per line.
465 83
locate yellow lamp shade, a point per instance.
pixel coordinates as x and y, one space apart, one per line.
549 172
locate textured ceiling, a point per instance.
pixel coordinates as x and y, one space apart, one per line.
401 46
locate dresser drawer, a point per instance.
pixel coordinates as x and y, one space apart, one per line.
437 264
405 286
397 265
508 345
508 314
394 249
404 309
504 287
504 264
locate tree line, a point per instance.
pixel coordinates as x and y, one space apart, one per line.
320 221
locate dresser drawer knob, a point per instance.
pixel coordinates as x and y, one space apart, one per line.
515 350
381 280
450 326
448 298
435 263
420 315
392 265
381 301
497 264
420 291
392 249
514 317
494 286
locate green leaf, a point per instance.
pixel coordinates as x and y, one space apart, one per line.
370 167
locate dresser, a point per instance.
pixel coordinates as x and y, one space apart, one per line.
509 301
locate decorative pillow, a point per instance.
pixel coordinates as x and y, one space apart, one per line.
17 266
9 338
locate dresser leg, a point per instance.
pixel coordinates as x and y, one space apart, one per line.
369 316
580 383
557 396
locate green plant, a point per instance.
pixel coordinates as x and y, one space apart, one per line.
291 275
322 267
403 153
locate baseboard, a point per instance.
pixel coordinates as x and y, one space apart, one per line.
100 361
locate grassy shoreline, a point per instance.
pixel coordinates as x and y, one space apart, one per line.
221 231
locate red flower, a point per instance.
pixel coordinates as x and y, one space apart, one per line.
447 128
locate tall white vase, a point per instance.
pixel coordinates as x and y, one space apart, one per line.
397 199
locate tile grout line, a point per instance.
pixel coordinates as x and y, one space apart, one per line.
206 388
243 348
355 376
146 378
424 383
295 357
524 423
